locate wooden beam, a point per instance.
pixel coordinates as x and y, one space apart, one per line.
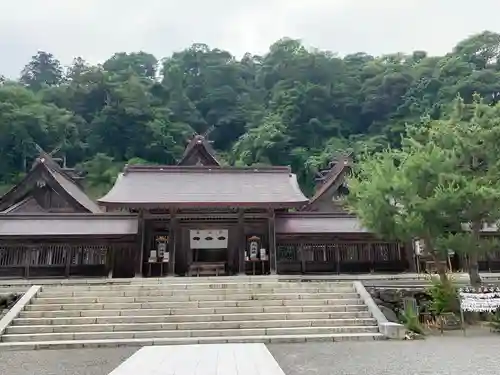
272 242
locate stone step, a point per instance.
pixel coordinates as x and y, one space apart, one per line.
189 292
201 297
189 341
226 286
188 333
254 280
30 329
355 305
192 318
190 304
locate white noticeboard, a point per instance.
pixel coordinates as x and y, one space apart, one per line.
484 300
208 238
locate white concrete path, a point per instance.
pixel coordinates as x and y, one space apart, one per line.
223 359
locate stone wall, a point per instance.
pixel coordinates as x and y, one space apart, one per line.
391 301
7 301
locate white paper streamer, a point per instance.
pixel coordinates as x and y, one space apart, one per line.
487 301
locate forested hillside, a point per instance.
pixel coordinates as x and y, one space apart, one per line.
292 106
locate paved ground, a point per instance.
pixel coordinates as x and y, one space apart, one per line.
436 356
451 355
63 362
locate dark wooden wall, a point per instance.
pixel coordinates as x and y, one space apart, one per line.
327 254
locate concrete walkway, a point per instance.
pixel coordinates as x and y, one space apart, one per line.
222 359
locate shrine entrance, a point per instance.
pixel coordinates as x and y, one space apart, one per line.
209 252
206 243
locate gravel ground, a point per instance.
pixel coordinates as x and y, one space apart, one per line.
454 355
63 362
436 355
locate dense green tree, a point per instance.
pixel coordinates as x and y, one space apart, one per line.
291 106
472 134
407 194
43 70
442 186
26 120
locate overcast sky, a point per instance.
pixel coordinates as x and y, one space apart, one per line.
95 29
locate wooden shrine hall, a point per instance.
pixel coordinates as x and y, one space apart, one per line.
191 219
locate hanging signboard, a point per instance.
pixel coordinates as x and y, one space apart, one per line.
208 238
479 300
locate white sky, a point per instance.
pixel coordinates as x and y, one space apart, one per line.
95 29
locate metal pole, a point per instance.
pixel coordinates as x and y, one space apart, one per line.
462 319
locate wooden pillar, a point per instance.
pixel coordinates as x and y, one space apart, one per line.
272 243
338 255
110 258
27 260
241 242
172 239
68 251
411 257
141 236
371 259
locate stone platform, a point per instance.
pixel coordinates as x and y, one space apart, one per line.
223 359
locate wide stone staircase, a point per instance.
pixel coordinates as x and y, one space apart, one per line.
176 312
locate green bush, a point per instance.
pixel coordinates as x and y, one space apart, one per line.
495 321
411 321
443 297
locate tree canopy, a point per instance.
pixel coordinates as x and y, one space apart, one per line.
292 106
441 187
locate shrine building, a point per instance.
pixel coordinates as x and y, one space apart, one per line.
192 219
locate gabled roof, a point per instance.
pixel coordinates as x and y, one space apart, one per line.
45 167
199 151
331 181
28 204
173 186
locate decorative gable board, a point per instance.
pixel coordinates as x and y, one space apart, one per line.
41 191
329 201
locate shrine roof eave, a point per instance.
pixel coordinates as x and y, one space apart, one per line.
67 225
319 224
201 205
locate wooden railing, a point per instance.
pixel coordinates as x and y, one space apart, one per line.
489 262
340 257
55 259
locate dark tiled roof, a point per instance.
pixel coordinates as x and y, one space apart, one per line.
45 165
154 186
303 223
74 191
27 204
201 146
67 225
332 178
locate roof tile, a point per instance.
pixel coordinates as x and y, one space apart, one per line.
154 186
